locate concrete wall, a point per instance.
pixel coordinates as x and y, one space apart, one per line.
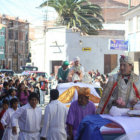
37 47
55 47
93 59
69 45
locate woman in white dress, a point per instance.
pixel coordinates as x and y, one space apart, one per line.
6 121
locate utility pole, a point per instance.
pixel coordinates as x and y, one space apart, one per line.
45 30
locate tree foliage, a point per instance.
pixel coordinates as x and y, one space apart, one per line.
77 14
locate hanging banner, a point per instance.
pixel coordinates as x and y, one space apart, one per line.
118 45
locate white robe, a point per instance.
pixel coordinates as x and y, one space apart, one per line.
55 121
29 122
6 121
131 136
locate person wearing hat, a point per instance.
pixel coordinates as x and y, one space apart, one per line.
122 89
78 110
63 72
76 72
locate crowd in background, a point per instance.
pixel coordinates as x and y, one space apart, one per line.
99 79
23 92
17 89
21 86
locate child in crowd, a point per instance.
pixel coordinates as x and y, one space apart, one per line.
6 121
22 94
12 94
5 90
5 105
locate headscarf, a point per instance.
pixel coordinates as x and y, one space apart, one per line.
84 91
126 59
76 59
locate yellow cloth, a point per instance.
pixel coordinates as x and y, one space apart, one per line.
67 96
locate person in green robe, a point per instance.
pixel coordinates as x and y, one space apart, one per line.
63 72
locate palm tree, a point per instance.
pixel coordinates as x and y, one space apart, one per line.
77 14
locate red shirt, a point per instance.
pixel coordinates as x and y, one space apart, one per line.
1 114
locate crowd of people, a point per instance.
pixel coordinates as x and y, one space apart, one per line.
98 79
21 116
24 122
20 87
15 92
18 94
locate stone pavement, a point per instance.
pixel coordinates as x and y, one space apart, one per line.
47 99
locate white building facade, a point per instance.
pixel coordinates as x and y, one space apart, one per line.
132 34
63 44
37 48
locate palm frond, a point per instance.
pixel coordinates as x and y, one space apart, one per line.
77 13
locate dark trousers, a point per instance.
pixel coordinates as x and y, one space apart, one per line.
1 134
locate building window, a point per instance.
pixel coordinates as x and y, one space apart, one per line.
16 35
138 23
16 47
26 48
26 36
12 46
3 21
1 33
9 64
21 63
11 24
20 35
130 25
10 34
3 64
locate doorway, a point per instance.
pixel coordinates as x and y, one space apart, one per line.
110 62
55 66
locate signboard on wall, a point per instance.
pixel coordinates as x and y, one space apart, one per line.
86 49
115 44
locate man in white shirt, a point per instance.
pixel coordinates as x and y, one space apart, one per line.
54 119
29 117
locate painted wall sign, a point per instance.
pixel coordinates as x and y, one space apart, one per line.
86 49
118 45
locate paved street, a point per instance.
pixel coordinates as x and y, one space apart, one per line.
47 98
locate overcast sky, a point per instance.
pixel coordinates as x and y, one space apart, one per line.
26 9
